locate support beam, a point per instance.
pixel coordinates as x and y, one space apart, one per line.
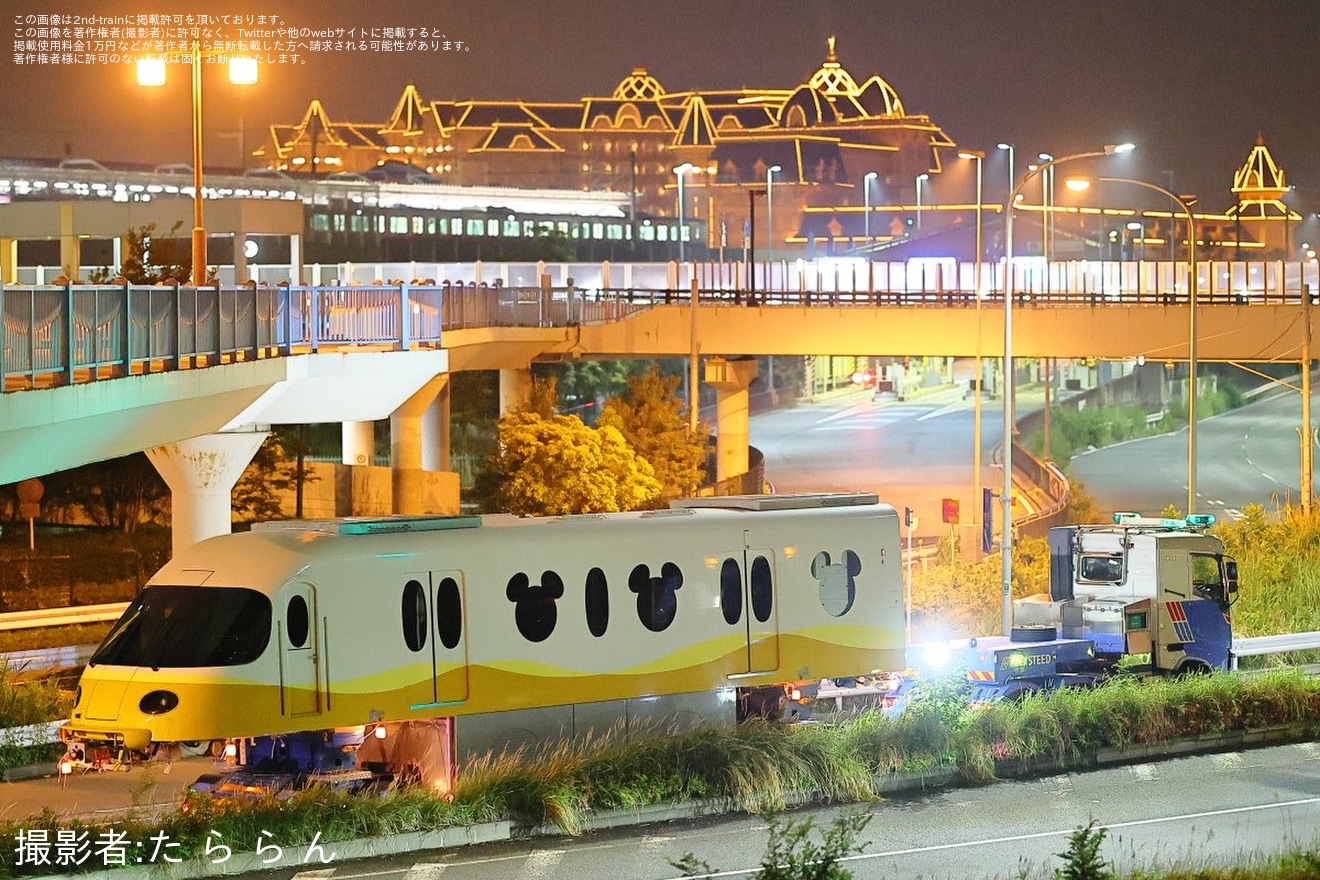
8 260
201 473
731 379
435 430
515 387
359 443
407 456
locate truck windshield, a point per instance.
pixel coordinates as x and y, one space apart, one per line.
185 627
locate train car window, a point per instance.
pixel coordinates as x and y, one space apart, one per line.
449 613
187 627
836 581
297 622
731 591
414 615
657 599
598 603
763 589
534 604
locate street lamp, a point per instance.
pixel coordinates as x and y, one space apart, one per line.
920 177
976 407
1047 215
866 188
1078 184
770 211
1006 497
151 72
681 173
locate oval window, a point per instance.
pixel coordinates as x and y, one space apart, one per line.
449 613
731 591
598 603
414 615
297 622
763 589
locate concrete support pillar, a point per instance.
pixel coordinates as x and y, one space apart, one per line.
435 431
8 261
730 379
70 248
201 474
295 260
359 443
515 386
406 449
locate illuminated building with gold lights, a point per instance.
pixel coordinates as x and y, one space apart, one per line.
825 136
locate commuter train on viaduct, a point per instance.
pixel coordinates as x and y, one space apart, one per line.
498 623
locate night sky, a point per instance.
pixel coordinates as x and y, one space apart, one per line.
1191 83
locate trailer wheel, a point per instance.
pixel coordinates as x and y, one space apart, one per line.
1032 633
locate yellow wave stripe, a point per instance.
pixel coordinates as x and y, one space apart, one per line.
215 709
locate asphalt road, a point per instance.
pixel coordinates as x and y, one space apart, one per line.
911 454
1246 456
914 454
1191 811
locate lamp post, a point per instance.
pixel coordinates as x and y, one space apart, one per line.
976 391
1193 285
681 173
770 215
920 177
1006 497
866 194
151 72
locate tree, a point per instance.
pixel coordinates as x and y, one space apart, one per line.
652 420
149 259
556 465
270 473
121 493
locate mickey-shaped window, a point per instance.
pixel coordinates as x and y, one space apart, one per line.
598 603
449 612
836 580
414 615
731 591
534 604
657 600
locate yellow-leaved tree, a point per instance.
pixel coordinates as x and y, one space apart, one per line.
554 465
651 418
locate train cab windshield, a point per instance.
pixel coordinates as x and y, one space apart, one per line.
183 627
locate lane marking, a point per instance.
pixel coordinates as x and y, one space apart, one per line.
1040 835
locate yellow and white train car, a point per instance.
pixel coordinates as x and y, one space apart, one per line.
299 626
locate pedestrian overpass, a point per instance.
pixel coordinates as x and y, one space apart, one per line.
195 375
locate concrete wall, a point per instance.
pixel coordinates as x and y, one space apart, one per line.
341 490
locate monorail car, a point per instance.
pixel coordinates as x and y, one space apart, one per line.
306 625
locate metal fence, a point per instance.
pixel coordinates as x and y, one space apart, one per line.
72 333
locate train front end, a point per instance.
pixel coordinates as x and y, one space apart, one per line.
189 660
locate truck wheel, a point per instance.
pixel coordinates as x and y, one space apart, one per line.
1032 633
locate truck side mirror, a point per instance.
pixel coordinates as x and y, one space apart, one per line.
1230 578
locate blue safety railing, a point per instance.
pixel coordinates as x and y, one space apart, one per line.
59 335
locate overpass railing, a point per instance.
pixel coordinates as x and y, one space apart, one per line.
73 332
60 335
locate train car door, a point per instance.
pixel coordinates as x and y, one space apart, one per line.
300 674
751 573
435 638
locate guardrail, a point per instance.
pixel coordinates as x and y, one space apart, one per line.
61 616
1259 646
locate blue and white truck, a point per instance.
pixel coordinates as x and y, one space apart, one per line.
1154 592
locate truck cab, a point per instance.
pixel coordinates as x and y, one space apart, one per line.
1104 578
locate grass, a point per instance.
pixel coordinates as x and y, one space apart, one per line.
755 766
